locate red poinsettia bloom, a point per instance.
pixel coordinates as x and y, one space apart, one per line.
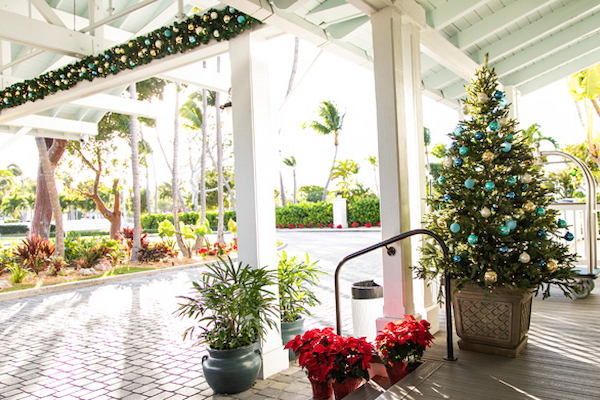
368 225
403 341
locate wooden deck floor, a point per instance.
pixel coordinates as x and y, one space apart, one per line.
561 361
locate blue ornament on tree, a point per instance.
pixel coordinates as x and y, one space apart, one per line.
457 259
458 130
241 19
504 230
490 185
524 187
506 147
569 236
441 180
463 150
106 56
472 239
478 135
458 162
510 195
541 233
562 223
511 224
192 39
498 94
503 249
231 10
494 126
511 181
540 211
503 102
469 183
542 263
147 42
510 137
455 227
447 198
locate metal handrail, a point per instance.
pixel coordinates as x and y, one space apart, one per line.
391 252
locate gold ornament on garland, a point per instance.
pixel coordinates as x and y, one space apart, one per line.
491 276
551 266
487 156
529 206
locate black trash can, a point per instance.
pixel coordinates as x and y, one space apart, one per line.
367 306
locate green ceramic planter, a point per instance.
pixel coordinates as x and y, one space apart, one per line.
290 330
231 371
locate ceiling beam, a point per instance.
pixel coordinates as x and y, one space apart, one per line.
196 76
290 5
450 12
55 124
530 33
122 105
47 12
563 71
123 79
343 29
440 79
438 48
550 44
495 22
13 138
554 61
41 35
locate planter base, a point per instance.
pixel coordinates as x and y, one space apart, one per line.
494 350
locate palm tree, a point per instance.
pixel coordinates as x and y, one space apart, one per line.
344 170
12 204
533 135
135 171
291 162
332 123
375 163
174 183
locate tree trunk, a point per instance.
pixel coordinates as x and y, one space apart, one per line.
52 194
179 196
283 199
174 182
135 171
220 225
148 203
329 177
203 157
42 212
295 191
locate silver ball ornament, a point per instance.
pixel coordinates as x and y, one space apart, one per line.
526 178
524 257
485 212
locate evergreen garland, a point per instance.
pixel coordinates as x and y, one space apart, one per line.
178 38
490 206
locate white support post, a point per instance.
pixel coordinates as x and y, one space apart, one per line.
253 141
512 95
397 70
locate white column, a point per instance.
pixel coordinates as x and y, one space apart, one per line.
253 144
512 95
397 69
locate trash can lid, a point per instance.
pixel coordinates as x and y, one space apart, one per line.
366 290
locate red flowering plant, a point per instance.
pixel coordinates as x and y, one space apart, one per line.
316 351
353 359
403 341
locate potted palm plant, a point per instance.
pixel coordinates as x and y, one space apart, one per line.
232 308
296 278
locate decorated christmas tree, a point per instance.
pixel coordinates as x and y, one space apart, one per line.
490 207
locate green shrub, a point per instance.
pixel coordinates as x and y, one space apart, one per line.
150 222
364 211
304 214
156 252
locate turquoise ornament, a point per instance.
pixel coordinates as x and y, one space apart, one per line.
510 137
447 198
511 181
147 42
510 195
458 130
192 39
494 126
490 186
455 227
498 94
457 259
458 162
562 223
511 224
503 249
167 33
504 230
231 10
472 239
469 183
540 211
463 150
478 135
569 236
503 102
241 19
506 147
441 180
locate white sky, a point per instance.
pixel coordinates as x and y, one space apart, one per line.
352 88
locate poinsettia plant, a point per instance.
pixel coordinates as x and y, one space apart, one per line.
403 341
325 355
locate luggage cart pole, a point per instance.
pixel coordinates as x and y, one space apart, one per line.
391 251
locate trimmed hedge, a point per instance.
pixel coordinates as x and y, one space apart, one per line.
18 229
304 213
364 211
150 222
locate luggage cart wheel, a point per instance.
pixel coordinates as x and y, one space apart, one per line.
581 288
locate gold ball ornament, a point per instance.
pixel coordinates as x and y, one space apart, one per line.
216 33
487 156
158 43
178 39
503 121
551 266
529 206
483 97
153 52
524 257
214 15
205 18
485 212
130 44
466 110
191 27
448 162
441 222
123 58
226 19
491 276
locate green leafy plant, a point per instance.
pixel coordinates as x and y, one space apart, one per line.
91 257
295 280
201 231
18 273
231 305
56 266
166 232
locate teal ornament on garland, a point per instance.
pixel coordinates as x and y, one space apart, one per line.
506 147
463 150
562 223
511 181
447 198
569 236
472 239
167 33
511 223
504 230
503 249
455 227
490 186
458 130
457 259
510 137
458 162
541 233
498 94
493 126
469 183
441 180
241 19
540 211
510 195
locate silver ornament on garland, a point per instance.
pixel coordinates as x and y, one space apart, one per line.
524 257
485 212
526 178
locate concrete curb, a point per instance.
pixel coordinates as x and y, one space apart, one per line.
304 230
61 287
